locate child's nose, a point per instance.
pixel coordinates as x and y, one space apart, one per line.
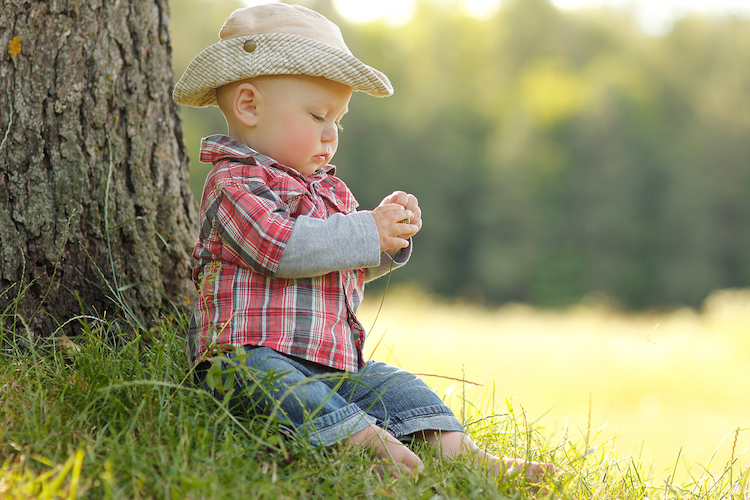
330 133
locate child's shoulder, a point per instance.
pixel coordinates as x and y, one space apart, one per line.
233 171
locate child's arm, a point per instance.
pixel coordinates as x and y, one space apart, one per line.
320 246
353 241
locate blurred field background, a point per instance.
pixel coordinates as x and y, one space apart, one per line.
669 389
585 185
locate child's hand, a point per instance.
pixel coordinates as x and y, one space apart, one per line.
409 202
398 218
390 220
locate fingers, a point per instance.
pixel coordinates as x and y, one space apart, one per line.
411 203
393 228
530 472
407 202
415 220
538 476
398 198
395 212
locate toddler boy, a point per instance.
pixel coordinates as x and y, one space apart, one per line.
283 254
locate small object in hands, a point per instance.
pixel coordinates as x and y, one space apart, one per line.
405 221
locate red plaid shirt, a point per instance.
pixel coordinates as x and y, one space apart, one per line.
247 214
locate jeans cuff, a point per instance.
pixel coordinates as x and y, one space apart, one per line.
336 426
434 418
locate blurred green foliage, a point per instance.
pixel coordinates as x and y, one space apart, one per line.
555 155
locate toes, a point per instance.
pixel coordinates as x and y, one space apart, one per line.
533 472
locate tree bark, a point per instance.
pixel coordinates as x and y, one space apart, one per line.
96 217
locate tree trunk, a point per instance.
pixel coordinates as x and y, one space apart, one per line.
96 217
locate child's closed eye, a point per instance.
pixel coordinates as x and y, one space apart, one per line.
321 119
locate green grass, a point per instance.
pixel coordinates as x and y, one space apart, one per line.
120 418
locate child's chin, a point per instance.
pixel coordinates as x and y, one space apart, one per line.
309 169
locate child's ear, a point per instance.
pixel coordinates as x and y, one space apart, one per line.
245 103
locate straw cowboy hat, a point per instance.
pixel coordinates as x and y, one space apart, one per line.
275 39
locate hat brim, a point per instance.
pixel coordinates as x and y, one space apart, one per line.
227 61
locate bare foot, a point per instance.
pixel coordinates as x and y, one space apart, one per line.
510 468
531 473
452 444
400 460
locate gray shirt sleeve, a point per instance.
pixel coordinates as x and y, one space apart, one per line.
387 263
320 246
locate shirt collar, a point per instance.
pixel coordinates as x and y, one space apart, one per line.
221 147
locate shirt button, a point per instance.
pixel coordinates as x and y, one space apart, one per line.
249 46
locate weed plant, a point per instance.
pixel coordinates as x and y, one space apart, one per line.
116 416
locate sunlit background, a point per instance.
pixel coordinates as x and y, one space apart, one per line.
655 16
584 172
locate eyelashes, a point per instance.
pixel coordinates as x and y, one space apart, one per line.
321 119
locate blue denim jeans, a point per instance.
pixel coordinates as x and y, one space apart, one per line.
326 405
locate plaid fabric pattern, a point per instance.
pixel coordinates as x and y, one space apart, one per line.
247 215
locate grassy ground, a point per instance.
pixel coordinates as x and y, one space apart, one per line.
120 419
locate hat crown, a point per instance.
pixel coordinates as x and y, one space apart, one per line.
282 18
275 39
